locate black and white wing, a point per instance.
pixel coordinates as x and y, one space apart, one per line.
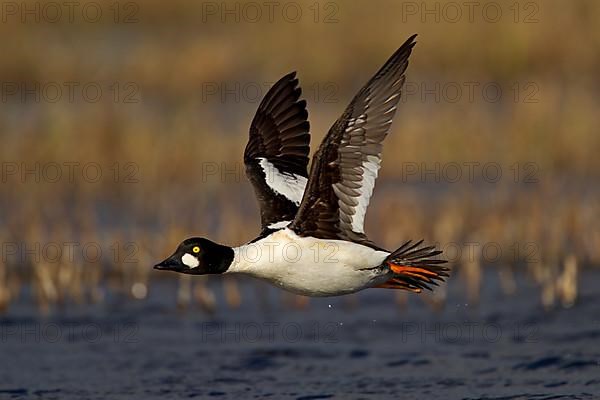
345 167
276 155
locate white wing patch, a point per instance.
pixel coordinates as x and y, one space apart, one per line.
370 169
190 260
289 185
279 225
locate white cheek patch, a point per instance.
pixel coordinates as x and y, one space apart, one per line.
190 260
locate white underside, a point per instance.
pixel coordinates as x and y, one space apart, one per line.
309 266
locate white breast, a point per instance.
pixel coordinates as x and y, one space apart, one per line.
309 266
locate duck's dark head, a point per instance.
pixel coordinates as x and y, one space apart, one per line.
198 256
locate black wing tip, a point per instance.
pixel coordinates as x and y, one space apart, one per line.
292 81
410 42
276 129
302 103
285 91
290 78
405 50
400 57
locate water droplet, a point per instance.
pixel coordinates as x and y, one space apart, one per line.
139 290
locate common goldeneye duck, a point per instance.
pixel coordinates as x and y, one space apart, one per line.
312 240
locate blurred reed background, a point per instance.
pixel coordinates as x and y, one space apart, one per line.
124 133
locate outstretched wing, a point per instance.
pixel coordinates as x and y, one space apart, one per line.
347 162
276 155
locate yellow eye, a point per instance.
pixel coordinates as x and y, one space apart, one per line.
196 249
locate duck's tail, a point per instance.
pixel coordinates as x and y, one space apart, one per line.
414 268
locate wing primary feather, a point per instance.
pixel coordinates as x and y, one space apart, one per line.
276 156
347 162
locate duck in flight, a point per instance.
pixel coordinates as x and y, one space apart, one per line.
312 240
